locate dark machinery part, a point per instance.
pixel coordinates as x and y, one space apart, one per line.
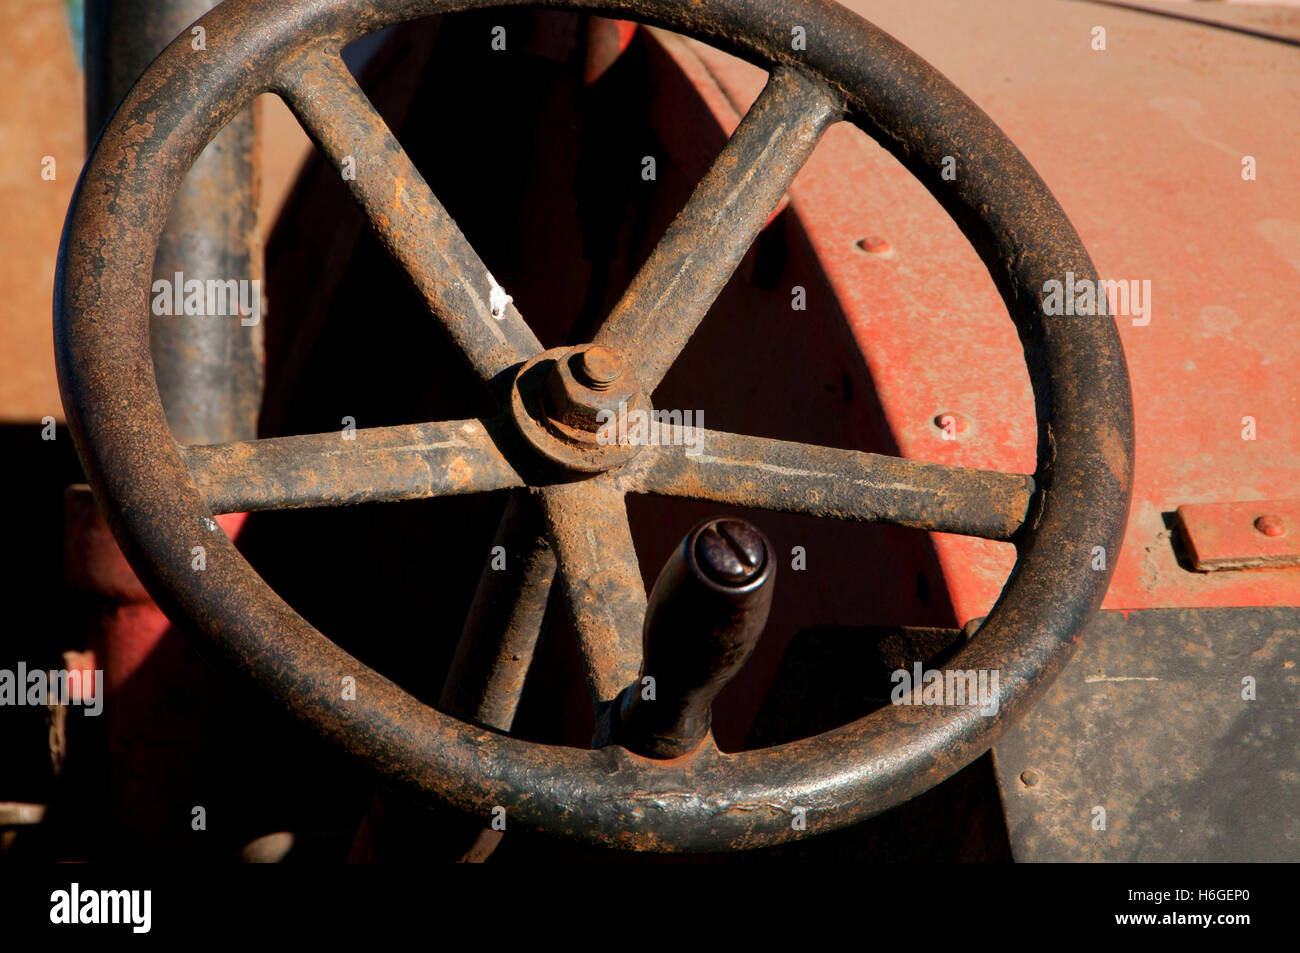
706 613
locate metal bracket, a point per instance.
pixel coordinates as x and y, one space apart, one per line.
1264 534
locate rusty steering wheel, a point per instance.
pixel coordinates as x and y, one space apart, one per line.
160 497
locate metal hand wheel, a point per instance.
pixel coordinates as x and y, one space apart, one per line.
160 497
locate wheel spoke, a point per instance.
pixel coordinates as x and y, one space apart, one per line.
409 462
822 481
601 580
496 646
694 260
410 222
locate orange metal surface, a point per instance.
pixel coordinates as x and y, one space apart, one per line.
1143 146
41 151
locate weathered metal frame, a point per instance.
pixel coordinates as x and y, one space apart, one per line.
159 497
209 371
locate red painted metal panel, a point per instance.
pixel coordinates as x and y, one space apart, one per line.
1143 146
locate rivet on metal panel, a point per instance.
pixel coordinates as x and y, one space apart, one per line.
1271 524
951 424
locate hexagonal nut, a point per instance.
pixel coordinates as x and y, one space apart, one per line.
574 404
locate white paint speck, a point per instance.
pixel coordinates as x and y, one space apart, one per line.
497 298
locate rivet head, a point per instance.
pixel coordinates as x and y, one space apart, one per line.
1271 524
951 423
874 245
1029 778
730 552
600 366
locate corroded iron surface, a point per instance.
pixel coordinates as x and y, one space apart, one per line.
159 498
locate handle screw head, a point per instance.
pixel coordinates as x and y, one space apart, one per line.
730 552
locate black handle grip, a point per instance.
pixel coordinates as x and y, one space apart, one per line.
705 615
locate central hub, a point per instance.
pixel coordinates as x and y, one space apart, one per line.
585 389
567 403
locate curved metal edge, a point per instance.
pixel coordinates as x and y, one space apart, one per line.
608 796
